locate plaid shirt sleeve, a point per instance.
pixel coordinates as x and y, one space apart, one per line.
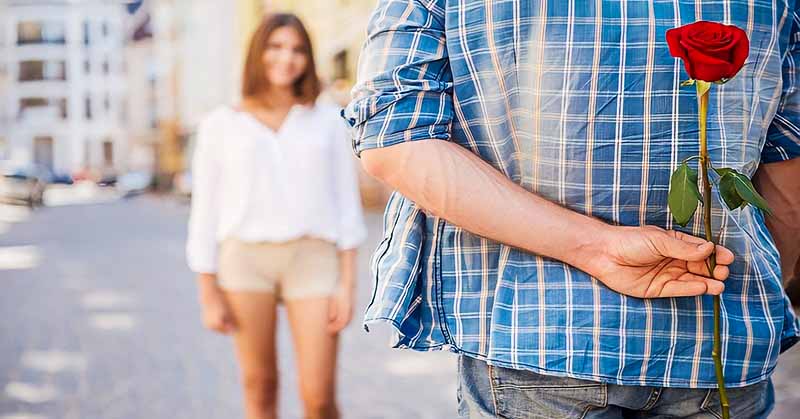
783 136
404 89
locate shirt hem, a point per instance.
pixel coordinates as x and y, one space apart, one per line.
637 382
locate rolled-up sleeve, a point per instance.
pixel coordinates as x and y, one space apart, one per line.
201 244
404 88
783 136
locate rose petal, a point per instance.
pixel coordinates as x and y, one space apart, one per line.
674 42
708 68
721 51
740 51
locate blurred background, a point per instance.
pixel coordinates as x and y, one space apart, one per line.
99 102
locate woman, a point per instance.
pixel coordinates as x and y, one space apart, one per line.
276 218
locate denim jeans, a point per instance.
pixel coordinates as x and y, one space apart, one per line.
486 391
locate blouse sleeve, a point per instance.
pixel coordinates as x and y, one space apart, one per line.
201 244
352 228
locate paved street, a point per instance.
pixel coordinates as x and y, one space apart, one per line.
101 322
99 319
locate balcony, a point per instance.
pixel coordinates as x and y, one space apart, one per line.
41 32
40 70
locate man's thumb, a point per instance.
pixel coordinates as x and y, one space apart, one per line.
690 252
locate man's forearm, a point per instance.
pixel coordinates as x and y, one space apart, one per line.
779 183
449 181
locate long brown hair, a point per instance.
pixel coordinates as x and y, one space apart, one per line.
254 79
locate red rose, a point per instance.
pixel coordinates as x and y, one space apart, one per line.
710 51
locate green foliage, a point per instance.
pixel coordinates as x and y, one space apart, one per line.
684 195
737 190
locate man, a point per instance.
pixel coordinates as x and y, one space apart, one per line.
531 143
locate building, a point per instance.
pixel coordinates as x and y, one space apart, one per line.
139 109
64 86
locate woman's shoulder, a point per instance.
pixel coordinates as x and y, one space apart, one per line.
327 111
219 115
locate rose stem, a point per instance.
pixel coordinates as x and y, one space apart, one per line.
712 260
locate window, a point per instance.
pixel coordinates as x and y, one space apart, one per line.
31 103
62 107
37 32
340 65
104 29
40 104
86 34
29 32
87 153
105 66
43 151
42 70
107 102
87 67
88 107
108 153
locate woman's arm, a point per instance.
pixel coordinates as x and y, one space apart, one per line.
352 229
201 244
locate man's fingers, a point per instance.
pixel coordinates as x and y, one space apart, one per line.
713 287
692 285
721 272
687 237
724 256
683 250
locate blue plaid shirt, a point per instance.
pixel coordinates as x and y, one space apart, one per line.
579 102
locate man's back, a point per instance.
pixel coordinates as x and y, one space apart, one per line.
578 102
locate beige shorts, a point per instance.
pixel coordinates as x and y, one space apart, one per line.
301 268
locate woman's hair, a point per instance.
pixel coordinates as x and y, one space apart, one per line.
254 78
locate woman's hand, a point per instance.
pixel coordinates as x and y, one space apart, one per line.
340 308
217 314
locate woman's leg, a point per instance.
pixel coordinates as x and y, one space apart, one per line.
254 314
315 350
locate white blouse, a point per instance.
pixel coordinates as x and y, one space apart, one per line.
255 184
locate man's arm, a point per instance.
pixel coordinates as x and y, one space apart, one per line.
778 176
779 183
449 181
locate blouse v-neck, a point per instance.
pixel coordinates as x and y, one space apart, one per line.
260 124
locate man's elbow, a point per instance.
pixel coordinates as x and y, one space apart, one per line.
373 162
386 163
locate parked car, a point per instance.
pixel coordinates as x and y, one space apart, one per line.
134 183
24 185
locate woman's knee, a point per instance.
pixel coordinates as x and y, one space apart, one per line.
319 400
260 387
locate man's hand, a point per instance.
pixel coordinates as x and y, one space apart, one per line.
649 262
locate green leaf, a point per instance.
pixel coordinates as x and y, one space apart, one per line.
689 82
722 170
684 195
702 87
728 190
746 190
